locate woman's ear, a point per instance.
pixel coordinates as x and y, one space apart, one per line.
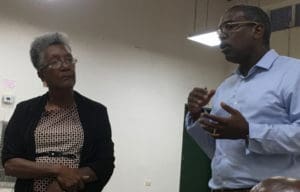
42 77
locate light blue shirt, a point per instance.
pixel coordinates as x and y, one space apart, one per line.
269 98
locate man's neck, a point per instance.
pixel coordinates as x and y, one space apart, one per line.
249 62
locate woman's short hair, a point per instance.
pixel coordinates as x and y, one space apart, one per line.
41 43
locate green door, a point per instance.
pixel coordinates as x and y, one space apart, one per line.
195 166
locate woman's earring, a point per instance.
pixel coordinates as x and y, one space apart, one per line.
45 84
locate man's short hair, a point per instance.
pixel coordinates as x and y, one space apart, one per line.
253 13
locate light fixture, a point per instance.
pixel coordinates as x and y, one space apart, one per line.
210 38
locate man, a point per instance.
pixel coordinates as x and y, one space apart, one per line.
277 184
253 130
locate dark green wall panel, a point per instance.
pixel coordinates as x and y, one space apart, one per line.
195 166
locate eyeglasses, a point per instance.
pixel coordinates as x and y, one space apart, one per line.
233 26
58 63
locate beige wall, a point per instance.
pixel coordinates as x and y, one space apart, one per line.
286 42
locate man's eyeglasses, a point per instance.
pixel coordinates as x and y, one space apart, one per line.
58 63
233 26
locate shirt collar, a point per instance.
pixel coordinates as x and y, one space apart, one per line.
265 62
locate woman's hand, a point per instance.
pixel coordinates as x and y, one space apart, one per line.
54 187
70 179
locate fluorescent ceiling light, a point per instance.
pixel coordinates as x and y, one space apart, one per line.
210 39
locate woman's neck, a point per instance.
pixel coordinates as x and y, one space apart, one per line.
61 98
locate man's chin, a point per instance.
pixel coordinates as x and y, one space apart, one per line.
231 59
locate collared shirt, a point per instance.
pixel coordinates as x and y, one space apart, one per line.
269 99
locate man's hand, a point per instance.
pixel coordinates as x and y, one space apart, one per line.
70 179
197 99
233 127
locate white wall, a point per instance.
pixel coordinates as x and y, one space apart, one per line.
134 58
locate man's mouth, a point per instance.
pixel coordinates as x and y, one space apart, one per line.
224 47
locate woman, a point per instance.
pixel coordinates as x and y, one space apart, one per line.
60 141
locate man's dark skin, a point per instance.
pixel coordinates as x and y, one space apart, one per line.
277 184
245 47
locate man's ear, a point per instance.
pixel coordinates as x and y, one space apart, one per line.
258 31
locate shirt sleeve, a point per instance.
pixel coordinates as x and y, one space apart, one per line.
13 144
202 138
103 165
274 139
280 138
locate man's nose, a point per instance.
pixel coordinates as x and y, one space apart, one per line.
222 35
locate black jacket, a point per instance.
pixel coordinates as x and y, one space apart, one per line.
97 152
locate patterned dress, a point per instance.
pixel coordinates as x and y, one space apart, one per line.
58 130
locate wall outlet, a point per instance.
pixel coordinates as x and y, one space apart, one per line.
147 183
8 99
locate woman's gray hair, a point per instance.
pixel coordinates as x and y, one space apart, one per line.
41 43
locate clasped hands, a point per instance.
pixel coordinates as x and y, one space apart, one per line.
67 179
235 126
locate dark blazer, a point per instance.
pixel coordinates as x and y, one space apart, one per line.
98 148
